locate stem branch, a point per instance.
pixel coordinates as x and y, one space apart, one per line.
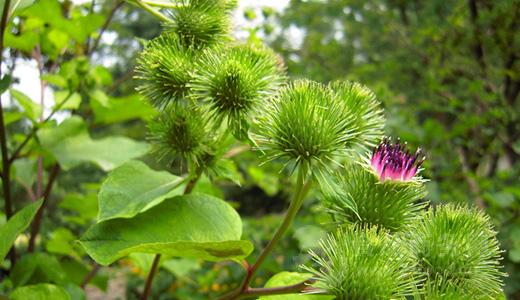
302 188
149 279
35 229
151 10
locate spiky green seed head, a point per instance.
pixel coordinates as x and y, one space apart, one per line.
366 110
457 250
201 23
233 85
165 68
306 126
390 204
357 263
181 131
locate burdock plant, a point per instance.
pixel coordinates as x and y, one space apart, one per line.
385 189
235 84
383 243
361 263
457 251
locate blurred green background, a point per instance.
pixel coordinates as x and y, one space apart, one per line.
447 72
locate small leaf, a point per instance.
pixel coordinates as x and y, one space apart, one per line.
109 110
40 291
195 225
5 82
31 109
290 278
133 188
16 225
71 145
64 100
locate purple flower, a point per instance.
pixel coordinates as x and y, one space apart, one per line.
395 162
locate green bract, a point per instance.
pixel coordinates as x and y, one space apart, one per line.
457 250
365 109
389 204
201 23
181 130
306 125
359 263
235 84
165 68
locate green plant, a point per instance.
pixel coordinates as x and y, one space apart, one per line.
207 95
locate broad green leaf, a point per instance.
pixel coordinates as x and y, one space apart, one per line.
71 145
133 188
195 225
16 225
290 278
109 110
31 109
44 291
37 267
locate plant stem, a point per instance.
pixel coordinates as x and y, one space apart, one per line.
151 10
149 279
6 166
35 128
35 229
162 4
302 188
280 290
90 275
116 6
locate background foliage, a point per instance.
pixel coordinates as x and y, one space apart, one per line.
448 73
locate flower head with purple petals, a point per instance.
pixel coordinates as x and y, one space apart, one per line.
395 162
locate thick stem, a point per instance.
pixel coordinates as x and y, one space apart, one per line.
302 188
35 229
149 279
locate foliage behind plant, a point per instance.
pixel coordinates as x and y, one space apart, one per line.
208 100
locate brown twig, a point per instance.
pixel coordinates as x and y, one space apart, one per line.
6 166
90 275
149 279
116 6
38 218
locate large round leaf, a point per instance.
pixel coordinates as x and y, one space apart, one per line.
133 188
195 225
71 145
